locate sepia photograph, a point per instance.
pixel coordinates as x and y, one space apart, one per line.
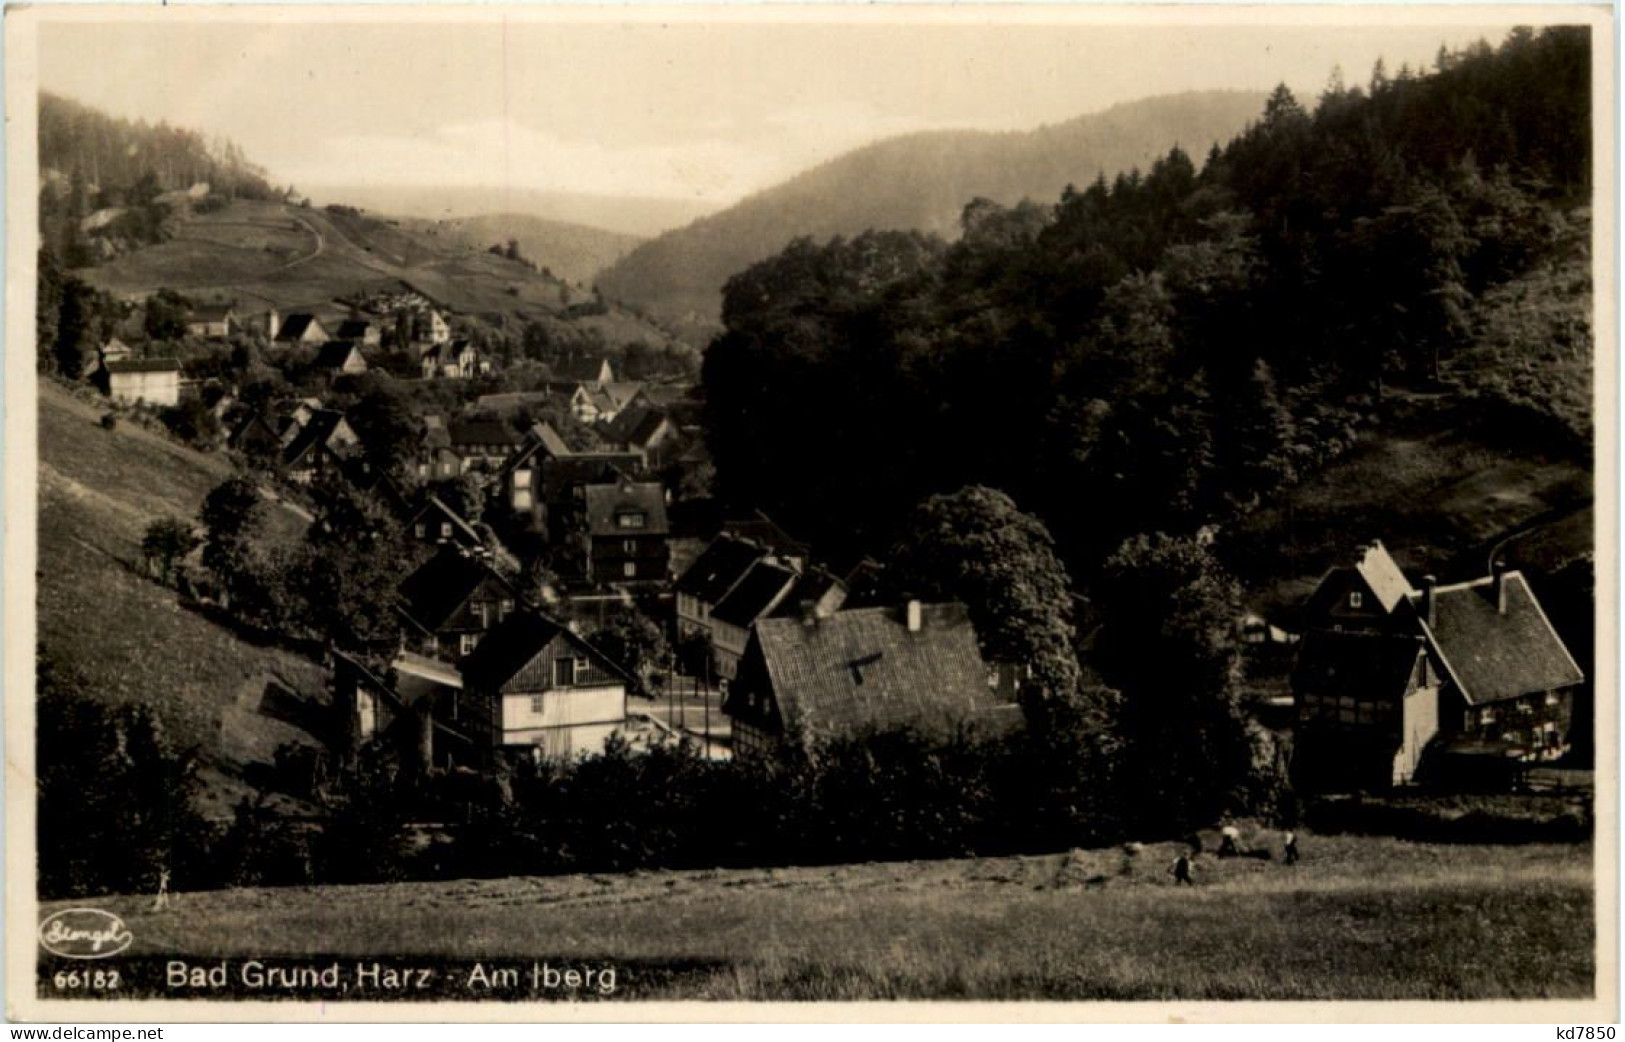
1086 512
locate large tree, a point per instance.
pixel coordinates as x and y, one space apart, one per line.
976 546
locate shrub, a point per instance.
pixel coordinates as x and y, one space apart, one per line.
109 421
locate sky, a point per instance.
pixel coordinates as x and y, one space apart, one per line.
706 109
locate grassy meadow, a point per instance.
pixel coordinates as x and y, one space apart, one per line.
127 639
1358 918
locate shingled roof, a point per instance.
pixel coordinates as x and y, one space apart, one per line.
318 430
1493 655
755 595
295 326
442 585
718 568
864 671
335 354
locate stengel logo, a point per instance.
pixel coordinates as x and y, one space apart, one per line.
84 933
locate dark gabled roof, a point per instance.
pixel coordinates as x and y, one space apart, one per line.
1493 656
512 643
443 584
295 326
1356 665
434 504
145 365
718 568
354 328
636 426
540 436
754 595
316 431
334 354
481 432
862 670
606 502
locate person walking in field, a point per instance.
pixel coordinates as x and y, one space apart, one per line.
1290 849
1182 870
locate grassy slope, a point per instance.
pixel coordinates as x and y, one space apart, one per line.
1438 484
129 639
573 251
1358 918
269 254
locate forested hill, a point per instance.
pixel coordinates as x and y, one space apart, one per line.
93 163
1168 352
917 182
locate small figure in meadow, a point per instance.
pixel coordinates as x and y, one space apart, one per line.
1289 852
1182 870
1230 842
161 901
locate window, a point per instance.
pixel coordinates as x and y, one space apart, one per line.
536 703
564 672
629 546
630 570
631 520
1525 708
467 642
482 612
420 529
1486 716
1551 698
445 529
504 607
1356 598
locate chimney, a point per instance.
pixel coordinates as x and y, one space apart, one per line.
1428 598
1498 575
914 616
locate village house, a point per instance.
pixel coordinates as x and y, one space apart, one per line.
341 358
439 330
1393 680
212 321
256 437
361 331
116 350
323 444
533 686
482 444
435 524
517 480
736 582
643 430
154 381
298 328
812 678
626 532
451 602
452 360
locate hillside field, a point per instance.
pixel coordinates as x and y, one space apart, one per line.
121 637
1358 918
263 255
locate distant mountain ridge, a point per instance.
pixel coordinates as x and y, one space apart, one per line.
624 215
917 181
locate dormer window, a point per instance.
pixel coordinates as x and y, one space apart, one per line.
631 519
1356 599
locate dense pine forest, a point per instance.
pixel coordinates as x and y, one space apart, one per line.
1162 352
